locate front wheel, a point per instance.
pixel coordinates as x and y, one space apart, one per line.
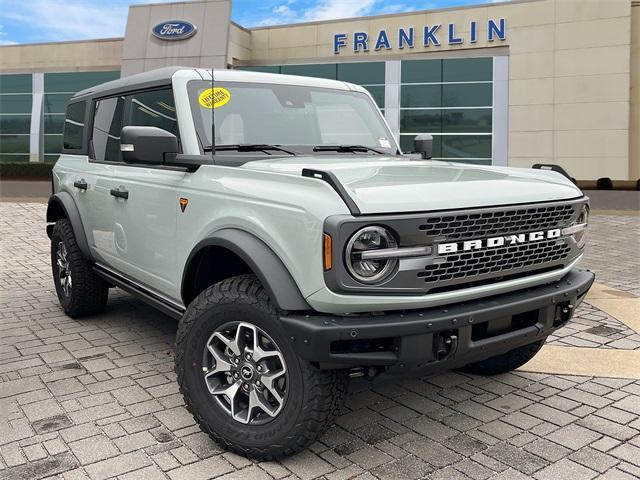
506 362
242 380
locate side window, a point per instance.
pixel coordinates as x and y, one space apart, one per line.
154 108
107 124
74 126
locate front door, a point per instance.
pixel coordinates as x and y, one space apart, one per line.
145 221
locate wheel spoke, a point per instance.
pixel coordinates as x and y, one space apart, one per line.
268 380
260 354
256 400
222 364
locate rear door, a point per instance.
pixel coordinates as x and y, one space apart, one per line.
104 154
145 222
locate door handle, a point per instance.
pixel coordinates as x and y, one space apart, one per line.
80 184
120 192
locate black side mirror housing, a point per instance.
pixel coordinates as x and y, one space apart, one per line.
423 144
147 145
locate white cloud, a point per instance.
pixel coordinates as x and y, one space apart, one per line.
282 10
54 20
331 9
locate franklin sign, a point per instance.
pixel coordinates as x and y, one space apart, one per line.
426 37
174 30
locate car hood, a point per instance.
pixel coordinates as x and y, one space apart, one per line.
391 185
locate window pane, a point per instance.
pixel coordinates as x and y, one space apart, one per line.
56 102
15 123
261 68
466 146
107 125
421 71
154 109
52 144
467 121
73 125
15 83
378 95
8 157
421 96
73 82
14 144
323 70
467 95
467 69
406 144
15 103
364 73
51 158
54 123
421 121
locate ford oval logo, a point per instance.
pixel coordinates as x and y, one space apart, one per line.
174 30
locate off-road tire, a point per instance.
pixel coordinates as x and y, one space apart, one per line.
89 292
506 362
314 396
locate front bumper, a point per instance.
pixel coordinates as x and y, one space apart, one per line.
442 337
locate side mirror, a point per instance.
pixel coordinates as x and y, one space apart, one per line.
423 144
147 145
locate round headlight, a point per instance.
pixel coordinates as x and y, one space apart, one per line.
580 235
370 270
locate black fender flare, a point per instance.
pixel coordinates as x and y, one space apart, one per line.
65 202
262 260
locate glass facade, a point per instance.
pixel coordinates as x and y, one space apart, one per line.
15 117
451 99
369 75
58 89
16 107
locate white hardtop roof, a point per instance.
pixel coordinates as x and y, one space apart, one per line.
247 76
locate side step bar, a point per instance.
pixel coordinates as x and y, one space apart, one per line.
137 291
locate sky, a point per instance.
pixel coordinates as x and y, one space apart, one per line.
35 21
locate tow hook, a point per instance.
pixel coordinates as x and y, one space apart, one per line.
564 311
444 345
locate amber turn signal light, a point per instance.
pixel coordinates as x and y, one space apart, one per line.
327 251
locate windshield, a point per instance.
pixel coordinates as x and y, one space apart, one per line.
287 115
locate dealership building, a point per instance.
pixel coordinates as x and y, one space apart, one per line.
513 83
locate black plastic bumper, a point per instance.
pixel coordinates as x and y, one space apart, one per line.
438 338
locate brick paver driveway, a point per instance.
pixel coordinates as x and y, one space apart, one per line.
97 398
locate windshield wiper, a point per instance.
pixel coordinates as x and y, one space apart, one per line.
346 148
249 147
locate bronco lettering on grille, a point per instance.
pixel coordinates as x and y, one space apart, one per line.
494 242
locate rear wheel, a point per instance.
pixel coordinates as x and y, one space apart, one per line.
80 291
506 362
241 379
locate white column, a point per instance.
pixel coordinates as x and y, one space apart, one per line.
392 96
37 118
500 115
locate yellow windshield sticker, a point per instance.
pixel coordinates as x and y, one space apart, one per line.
220 97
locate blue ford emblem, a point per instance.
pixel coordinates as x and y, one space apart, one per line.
174 30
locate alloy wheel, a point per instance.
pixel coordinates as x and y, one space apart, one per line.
245 372
64 269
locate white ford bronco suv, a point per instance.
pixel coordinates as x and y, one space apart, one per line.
276 217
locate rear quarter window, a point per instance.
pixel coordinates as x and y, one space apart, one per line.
74 125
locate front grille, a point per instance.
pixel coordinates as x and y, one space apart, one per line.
489 224
469 266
